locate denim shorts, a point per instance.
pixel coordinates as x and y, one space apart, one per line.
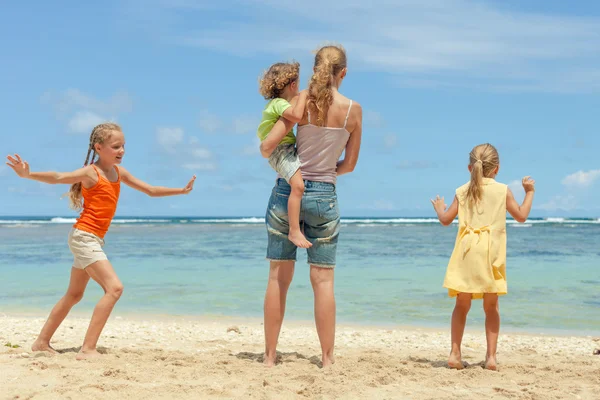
284 160
319 216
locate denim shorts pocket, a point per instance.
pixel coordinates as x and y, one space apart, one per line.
328 209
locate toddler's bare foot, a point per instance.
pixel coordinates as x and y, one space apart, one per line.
88 355
490 363
40 346
455 361
298 239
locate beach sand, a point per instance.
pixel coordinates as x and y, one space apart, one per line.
177 357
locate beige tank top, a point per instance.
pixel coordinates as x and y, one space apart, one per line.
320 148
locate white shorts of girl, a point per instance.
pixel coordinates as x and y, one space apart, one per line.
86 248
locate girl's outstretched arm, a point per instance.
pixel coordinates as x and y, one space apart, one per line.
445 216
521 212
21 167
154 191
278 132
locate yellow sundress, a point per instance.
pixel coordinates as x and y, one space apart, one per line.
478 262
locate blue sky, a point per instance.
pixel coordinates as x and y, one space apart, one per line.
434 78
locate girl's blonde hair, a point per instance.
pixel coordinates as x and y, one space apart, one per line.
329 61
276 78
483 161
99 135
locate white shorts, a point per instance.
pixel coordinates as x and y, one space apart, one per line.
86 248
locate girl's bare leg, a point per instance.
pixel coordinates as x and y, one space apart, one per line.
492 328
459 320
280 277
103 273
294 202
77 285
322 283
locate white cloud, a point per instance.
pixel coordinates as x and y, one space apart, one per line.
200 166
416 164
390 141
201 153
373 118
434 43
84 122
209 123
82 111
563 203
581 179
244 124
252 149
190 154
169 138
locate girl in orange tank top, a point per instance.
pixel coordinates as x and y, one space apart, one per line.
95 190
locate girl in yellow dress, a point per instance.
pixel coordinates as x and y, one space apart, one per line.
477 267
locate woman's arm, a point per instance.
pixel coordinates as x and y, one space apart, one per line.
21 167
153 191
353 146
445 216
278 132
521 212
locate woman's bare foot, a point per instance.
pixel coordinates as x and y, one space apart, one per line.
298 239
40 346
270 361
328 361
455 361
490 363
88 355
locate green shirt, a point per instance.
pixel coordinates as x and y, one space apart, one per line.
273 110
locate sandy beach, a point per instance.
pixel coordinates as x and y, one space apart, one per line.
176 357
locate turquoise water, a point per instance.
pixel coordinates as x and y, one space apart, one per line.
390 271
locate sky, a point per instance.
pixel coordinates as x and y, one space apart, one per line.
434 78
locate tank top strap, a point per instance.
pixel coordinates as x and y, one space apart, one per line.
97 172
347 114
118 174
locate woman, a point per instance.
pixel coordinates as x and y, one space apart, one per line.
332 124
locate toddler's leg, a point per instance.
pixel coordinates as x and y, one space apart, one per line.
459 319
294 202
77 285
492 328
103 273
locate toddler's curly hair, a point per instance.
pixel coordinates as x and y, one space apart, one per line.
276 78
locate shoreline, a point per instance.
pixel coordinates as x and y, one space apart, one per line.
293 322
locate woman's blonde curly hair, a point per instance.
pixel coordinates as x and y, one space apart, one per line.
329 61
276 78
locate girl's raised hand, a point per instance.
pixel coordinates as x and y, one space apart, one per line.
528 184
438 204
190 186
18 165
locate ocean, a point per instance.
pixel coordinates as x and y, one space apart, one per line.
390 271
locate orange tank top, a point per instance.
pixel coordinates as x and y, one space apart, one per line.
99 205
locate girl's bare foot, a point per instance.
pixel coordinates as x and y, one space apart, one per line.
88 355
298 239
455 361
40 346
490 363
